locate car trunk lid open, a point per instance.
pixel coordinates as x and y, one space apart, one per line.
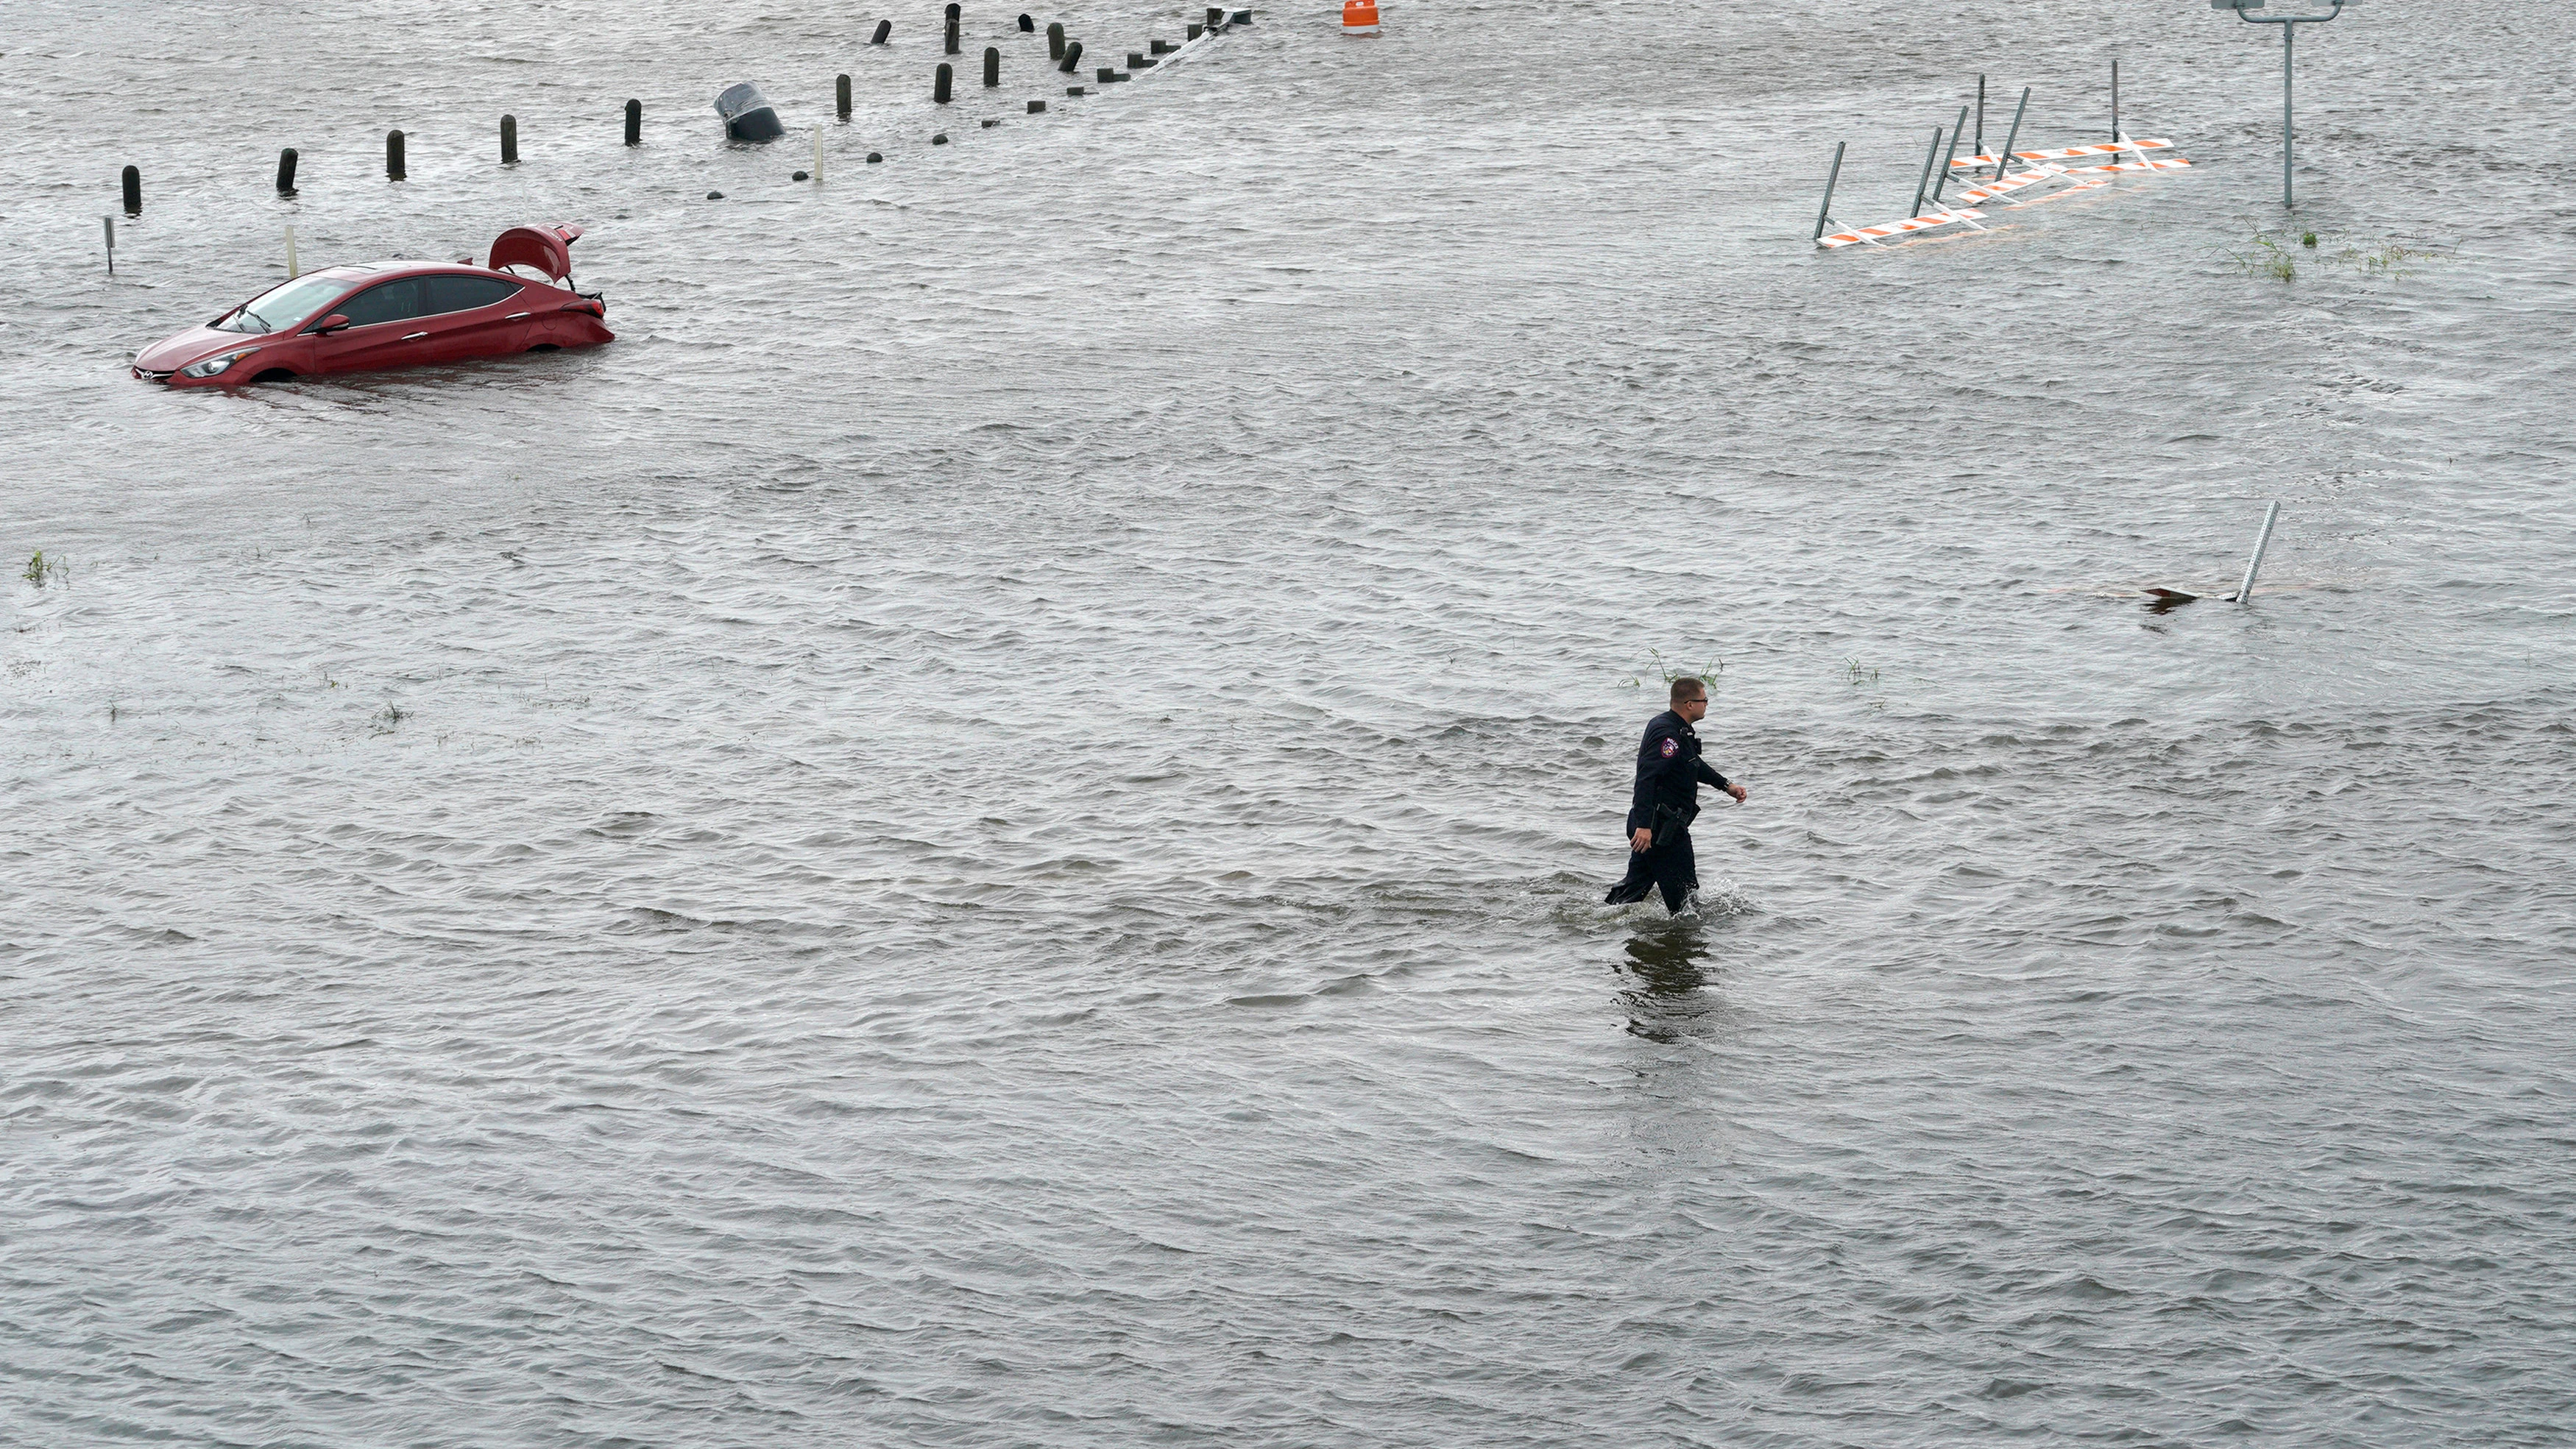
546 249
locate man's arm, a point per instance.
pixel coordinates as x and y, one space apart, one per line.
1711 777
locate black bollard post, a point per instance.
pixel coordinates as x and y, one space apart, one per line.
1162 47
874 157
1195 31
1137 60
286 172
393 155
634 123
1028 24
509 140
952 27
133 181
1036 106
992 65
1055 40
884 29
841 95
1215 19
939 84
1072 56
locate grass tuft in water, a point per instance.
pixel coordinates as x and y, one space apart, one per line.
1706 673
2386 260
40 570
2266 258
2268 254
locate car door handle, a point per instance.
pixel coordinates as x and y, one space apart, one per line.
414 336
515 316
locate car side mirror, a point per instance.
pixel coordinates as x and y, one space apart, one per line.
330 324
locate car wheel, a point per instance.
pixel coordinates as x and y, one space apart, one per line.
275 374
543 347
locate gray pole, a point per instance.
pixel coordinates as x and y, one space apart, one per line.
2115 102
1981 117
2004 158
2289 49
1821 211
2289 33
2262 541
1956 127
1925 179
111 230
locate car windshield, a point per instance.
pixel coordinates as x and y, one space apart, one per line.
284 306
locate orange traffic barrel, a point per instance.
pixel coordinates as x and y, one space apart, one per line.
1359 17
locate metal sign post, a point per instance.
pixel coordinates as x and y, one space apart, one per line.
2289 44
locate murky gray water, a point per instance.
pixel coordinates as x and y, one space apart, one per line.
986 830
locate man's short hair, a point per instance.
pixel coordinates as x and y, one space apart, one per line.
1688 688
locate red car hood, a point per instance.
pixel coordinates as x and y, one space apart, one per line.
181 348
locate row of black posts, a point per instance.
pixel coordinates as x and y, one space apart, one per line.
1067 55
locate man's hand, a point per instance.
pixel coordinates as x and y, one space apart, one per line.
1641 840
1739 792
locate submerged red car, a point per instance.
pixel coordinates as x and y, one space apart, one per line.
359 318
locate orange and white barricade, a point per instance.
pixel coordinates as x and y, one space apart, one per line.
2069 153
1872 235
2013 181
2013 188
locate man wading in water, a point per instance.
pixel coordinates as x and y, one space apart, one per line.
1669 772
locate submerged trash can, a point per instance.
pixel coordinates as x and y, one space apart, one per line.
747 114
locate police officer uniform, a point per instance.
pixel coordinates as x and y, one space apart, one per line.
1669 774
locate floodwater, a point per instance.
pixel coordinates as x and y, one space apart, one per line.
987 830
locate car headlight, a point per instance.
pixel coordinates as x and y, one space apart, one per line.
217 363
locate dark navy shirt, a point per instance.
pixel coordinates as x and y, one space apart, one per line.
1669 772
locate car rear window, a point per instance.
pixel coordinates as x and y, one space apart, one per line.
451 293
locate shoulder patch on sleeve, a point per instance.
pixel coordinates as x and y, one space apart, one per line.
1672 747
